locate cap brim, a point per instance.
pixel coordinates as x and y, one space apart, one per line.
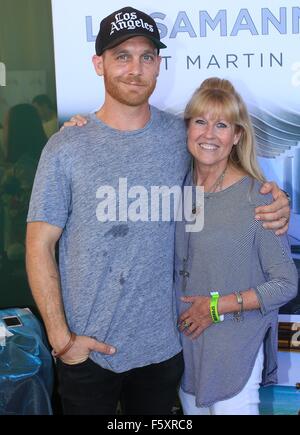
158 44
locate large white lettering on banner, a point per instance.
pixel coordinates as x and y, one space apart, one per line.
254 44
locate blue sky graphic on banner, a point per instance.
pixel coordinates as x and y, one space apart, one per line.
253 44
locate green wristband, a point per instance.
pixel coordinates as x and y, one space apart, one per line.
214 307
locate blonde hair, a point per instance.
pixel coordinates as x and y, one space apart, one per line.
219 97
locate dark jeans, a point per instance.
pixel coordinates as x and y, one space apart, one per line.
87 388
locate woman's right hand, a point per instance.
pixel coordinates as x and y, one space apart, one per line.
75 121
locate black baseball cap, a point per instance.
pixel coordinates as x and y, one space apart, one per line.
124 24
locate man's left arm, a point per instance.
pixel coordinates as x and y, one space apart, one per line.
275 216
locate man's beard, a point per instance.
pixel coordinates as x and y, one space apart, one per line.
117 90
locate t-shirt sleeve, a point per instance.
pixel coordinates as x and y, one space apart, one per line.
51 194
279 269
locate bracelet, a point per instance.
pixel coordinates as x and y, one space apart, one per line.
214 307
239 314
66 348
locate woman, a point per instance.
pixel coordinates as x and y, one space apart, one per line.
47 113
24 139
24 135
230 278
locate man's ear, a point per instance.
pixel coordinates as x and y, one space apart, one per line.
98 64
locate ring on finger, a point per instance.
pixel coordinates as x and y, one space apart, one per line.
186 324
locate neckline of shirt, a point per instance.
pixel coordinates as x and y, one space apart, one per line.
227 189
98 121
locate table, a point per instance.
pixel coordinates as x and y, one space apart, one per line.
26 367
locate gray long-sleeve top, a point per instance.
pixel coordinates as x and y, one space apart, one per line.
232 253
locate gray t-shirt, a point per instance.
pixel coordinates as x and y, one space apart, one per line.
233 252
116 277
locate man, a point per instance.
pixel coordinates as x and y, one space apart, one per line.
109 311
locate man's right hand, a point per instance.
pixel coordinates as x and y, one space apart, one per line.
82 347
75 121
